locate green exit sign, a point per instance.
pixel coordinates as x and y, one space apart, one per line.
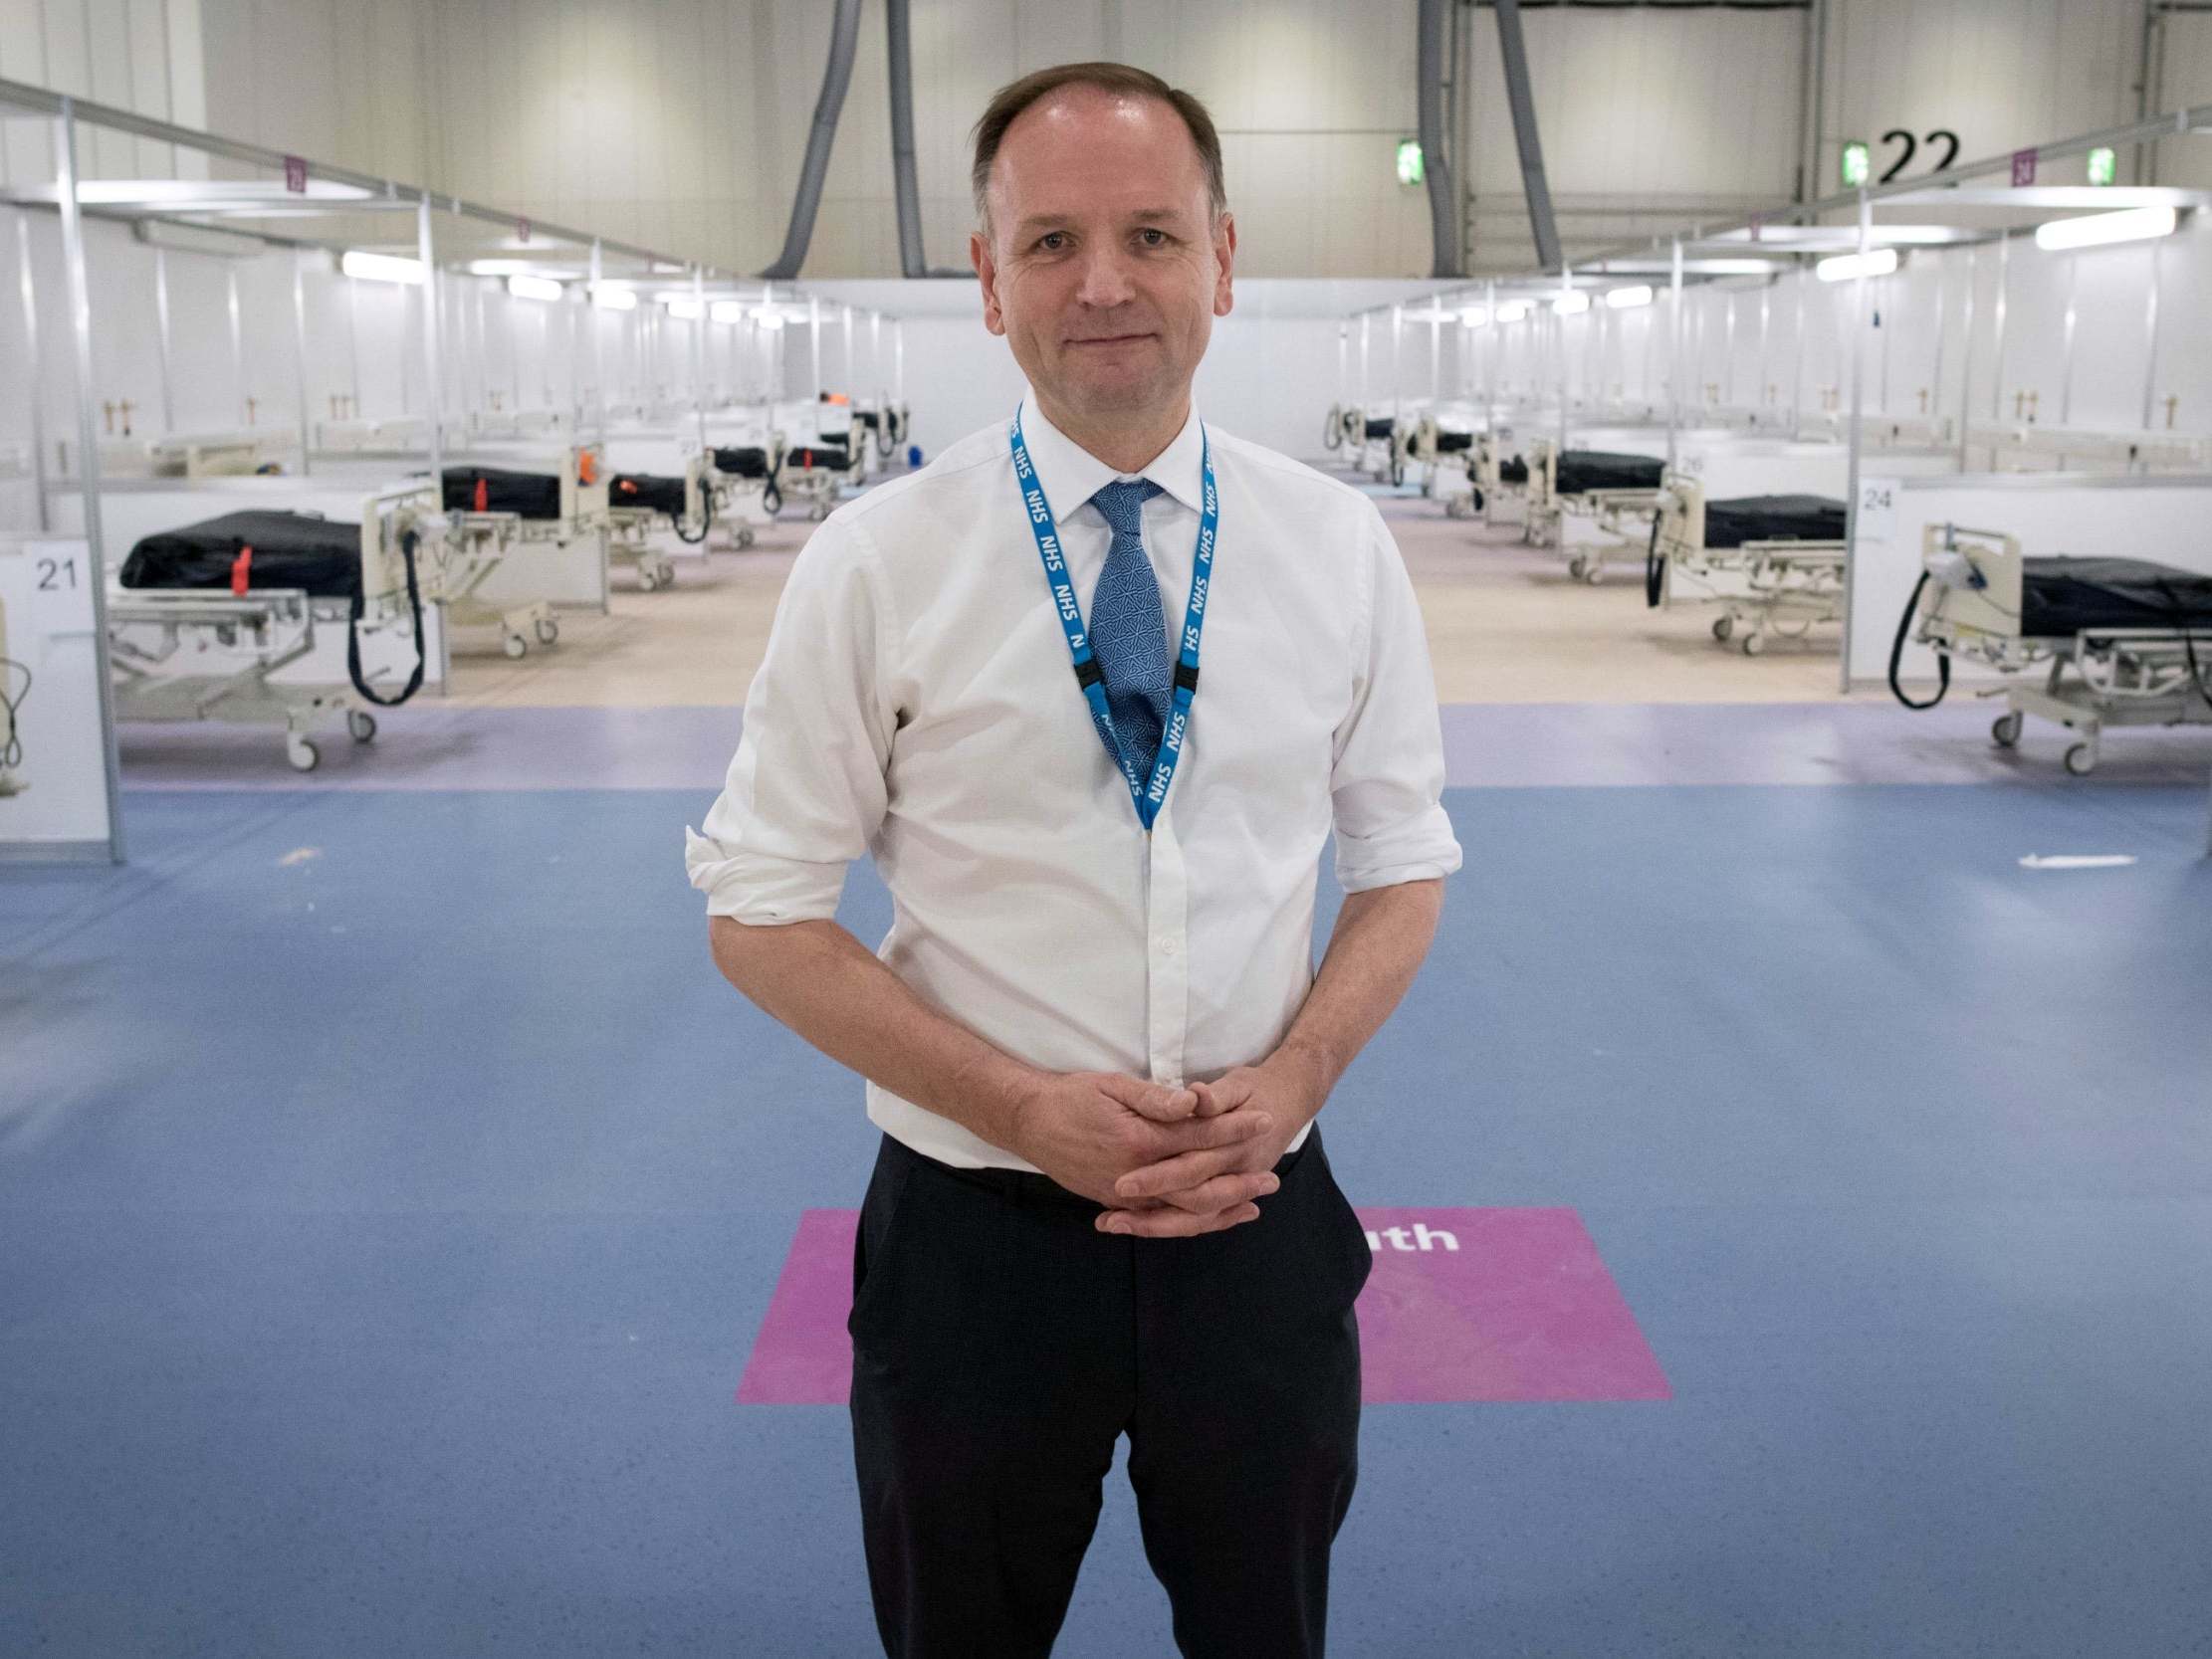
2103 166
1409 161
1857 163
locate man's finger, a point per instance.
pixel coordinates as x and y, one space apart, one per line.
1213 1101
1199 1134
1175 1223
1157 1101
1226 1192
1182 1172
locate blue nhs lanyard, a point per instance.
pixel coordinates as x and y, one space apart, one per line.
1147 798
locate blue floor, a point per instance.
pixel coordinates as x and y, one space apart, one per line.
390 1191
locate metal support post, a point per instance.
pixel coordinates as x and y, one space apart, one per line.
426 250
2150 336
1858 406
1674 357
34 378
698 349
88 470
598 347
237 349
300 362
161 324
1966 357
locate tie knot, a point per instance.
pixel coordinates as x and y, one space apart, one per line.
1122 502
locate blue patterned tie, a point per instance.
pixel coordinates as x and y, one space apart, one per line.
1128 630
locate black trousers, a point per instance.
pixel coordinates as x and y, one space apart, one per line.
1002 1344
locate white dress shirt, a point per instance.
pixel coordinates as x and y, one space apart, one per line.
917 703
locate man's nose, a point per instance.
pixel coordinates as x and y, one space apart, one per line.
1106 281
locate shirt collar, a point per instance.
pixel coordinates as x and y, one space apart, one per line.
1071 474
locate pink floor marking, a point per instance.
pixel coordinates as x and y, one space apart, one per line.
1523 1310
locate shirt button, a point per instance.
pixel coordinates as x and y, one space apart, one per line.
1165 947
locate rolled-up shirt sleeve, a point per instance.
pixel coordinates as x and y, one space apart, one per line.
805 793
1387 782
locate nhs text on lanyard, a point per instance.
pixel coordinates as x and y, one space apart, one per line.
1147 797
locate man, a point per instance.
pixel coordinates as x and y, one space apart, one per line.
1094 1039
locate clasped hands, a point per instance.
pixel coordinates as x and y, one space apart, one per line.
1166 1161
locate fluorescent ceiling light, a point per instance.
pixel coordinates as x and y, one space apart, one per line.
1570 304
1844 267
687 310
380 268
1627 299
535 288
1512 310
727 310
1475 316
2137 223
186 194
767 318
613 298
518 267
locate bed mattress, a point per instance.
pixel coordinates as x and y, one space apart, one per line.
645 489
1732 523
742 463
1452 443
498 489
256 549
1381 428
1584 469
836 459
2061 596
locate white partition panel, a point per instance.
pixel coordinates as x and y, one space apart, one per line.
57 807
2156 518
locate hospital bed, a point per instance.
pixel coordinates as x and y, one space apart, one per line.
200 454
15 686
1775 563
886 423
1344 429
1603 486
638 503
495 514
2086 642
1442 446
202 620
746 471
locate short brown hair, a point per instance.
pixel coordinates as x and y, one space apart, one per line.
1010 99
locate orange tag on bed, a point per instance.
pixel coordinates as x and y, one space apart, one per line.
587 465
628 485
241 572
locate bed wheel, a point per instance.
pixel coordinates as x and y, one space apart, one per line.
2006 732
1755 645
744 540
515 646
361 725
818 513
1592 572
1723 626
647 578
303 753
2081 759
1578 567
547 631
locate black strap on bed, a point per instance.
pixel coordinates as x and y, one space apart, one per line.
1655 566
1897 653
407 541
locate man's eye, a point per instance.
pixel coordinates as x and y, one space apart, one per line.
1153 238
1053 241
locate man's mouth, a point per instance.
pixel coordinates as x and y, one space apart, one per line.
1108 340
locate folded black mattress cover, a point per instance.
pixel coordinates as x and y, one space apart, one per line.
1448 443
867 418
290 549
1582 470
1381 428
2060 596
1742 518
836 459
648 491
741 462
1513 470
531 495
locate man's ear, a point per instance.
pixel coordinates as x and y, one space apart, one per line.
1225 256
986 271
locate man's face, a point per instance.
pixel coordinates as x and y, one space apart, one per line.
1104 268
